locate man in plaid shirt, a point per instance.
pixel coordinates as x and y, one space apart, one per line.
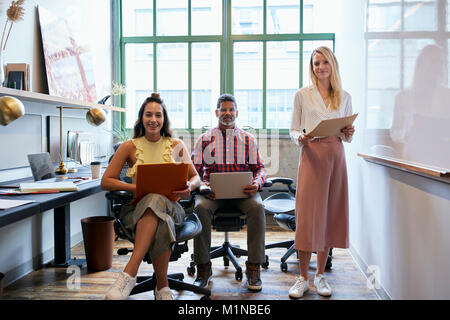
227 148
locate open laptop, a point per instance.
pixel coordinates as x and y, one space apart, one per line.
41 166
229 185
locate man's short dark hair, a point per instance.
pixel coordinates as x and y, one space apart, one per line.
226 97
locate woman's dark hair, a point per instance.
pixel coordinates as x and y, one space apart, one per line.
139 130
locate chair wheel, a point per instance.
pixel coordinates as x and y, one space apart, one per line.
265 265
329 263
191 271
283 266
205 298
226 262
238 275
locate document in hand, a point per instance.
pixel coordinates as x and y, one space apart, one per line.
48 186
160 178
332 127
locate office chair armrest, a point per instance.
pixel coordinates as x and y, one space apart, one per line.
119 195
286 181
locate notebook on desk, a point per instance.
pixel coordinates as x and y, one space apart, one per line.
160 178
229 185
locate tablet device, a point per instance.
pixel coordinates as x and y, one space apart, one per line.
229 185
160 178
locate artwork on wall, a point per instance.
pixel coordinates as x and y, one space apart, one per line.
69 63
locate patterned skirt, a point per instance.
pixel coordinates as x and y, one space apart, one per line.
169 215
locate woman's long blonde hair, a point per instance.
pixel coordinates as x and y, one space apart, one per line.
335 79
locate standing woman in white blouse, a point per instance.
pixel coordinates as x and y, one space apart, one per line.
322 194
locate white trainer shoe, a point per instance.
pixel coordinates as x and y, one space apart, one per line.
163 294
299 288
121 289
322 286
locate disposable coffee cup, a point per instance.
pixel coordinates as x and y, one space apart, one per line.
95 169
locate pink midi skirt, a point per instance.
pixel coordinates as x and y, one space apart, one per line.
321 210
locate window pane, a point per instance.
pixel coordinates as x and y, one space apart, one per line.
320 16
420 15
283 16
383 81
205 83
247 17
308 47
206 17
384 15
171 17
138 78
412 49
282 82
137 18
248 81
172 81
448 15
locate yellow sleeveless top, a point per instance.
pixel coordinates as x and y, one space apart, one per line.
151 152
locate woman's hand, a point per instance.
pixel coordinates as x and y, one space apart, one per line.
183 194
348 132
251 189
304 139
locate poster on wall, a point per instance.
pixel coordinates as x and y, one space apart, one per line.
68 62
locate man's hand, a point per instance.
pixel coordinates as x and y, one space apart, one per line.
251 189
211 195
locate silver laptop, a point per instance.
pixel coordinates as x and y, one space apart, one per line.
229 185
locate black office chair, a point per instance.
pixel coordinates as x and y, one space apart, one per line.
187 230
282 206
228 220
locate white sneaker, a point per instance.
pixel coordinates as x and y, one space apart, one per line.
163 294
299 288
322 286
121 289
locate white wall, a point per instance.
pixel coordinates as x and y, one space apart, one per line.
28 243
398 220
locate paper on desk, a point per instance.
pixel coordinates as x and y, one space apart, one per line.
49 186
7 204
332 127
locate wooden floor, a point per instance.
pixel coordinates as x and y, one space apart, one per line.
345 278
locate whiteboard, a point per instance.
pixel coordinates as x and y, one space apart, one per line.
408 100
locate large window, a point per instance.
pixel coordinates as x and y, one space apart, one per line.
191 51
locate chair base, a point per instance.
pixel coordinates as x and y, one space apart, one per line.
145 284
291 250
229 253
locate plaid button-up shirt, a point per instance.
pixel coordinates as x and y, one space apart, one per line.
232 151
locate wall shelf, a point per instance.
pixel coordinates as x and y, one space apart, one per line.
45 98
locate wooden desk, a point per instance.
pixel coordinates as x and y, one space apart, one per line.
60 203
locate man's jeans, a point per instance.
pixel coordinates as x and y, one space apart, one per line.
256 226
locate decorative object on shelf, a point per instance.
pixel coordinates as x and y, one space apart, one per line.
68 59
116 90
94 116
10 109
14 13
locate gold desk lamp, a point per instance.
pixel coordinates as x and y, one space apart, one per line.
94 116
10 109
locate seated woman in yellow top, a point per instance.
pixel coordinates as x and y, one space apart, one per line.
152 222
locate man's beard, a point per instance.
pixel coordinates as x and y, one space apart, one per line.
227 124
